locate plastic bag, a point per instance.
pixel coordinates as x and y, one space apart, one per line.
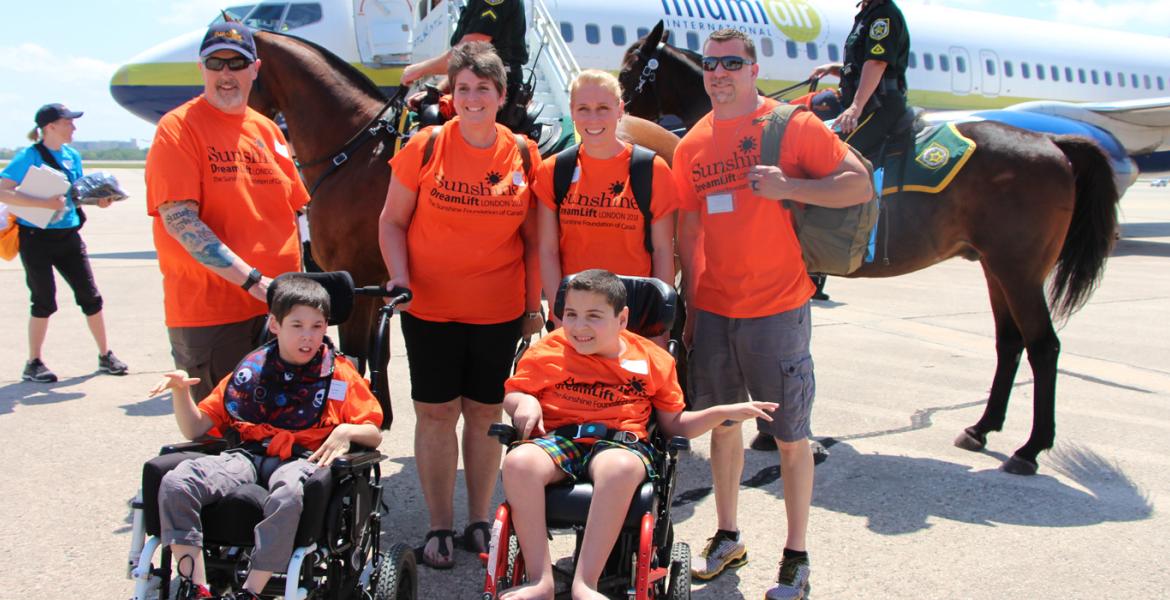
97 186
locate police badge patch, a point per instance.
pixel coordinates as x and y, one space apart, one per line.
880 29
934 156
494 2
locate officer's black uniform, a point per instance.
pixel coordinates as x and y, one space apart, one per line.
879 33
503 21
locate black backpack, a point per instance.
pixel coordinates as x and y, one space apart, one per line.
641 183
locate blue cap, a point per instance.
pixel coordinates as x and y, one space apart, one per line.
228 36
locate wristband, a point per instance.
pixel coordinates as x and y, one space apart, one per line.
253 279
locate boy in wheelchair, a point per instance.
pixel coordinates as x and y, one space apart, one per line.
293 405
581 401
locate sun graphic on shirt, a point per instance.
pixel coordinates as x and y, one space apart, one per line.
616 187
493 178
637 385
747 144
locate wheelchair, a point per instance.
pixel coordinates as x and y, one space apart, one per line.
645 562
337 550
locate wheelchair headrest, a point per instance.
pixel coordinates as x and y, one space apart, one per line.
338 284
651 301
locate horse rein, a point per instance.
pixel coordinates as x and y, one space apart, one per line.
649 75
376 126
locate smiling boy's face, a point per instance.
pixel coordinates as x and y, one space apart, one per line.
300 334
591 325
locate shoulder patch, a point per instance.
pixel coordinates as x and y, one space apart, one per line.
489 13
877 50
880 29
494 2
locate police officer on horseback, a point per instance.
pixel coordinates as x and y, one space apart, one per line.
502 23
873 76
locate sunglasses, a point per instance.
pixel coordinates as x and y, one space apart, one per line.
730 63
238 63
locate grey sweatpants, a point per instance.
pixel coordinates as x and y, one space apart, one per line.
201 481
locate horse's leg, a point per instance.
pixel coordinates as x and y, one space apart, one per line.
1009 346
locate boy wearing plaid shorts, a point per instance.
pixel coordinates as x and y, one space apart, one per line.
592 371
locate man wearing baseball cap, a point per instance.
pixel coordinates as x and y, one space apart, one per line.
223 192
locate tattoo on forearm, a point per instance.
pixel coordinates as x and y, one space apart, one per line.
181 220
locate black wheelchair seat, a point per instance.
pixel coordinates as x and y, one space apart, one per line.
568 505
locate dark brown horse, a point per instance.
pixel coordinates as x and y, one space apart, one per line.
325 101
1024 205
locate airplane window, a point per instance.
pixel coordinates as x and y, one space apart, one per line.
1026 70
1161 83
642 31
237 13
960 64
1068 74
944 62
766 46
790 46
835 55
592 33
1108 78
300 15
1055 72
693 41
265 17
1134 79
928 61
619 35
567 31
1120 79
1040 72
1007 68
1096 78
811 48
912 63
1081 75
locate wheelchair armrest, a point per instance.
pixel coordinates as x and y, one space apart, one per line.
673 347
503 432
206 446
353 461
678 443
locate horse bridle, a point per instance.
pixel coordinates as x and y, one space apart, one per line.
649 76
377 126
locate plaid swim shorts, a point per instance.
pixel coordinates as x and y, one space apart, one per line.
573 457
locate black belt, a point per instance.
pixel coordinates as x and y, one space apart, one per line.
596 431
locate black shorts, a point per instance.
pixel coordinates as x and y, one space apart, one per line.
41 251
449 360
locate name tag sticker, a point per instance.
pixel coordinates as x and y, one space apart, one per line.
337 390
636 366
576 174
719 203
517 178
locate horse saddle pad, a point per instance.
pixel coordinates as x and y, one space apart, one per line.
940 152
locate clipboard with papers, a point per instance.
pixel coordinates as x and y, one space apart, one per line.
40 182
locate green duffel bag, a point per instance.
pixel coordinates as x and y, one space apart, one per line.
833 240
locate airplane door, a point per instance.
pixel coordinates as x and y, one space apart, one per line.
989 67
960 70
384 33
435 22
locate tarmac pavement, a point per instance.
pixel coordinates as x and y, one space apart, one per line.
902 366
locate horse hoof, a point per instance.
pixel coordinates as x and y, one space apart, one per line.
971 440
1019 466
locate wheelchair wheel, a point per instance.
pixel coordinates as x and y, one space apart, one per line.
680 572
397 576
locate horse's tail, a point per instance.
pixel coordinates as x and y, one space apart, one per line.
1090 234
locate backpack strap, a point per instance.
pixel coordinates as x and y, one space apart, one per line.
525 153
563 167
48 158
429 147
773 136
642 184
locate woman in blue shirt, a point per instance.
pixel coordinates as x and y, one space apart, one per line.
56 245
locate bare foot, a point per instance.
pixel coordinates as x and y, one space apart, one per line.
538 590
581 591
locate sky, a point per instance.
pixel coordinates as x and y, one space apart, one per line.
70 55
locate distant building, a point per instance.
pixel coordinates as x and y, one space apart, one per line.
106 145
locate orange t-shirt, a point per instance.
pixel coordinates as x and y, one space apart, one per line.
357 405
600 224
237 167
749 261
464 248
578 388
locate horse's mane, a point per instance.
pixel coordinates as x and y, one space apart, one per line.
343 68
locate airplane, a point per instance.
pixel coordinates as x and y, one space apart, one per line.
1058 78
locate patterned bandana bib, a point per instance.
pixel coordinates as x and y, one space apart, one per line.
267 390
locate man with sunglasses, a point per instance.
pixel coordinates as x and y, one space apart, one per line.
223 191
746 281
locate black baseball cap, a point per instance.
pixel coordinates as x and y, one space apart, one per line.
51 112
228 36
